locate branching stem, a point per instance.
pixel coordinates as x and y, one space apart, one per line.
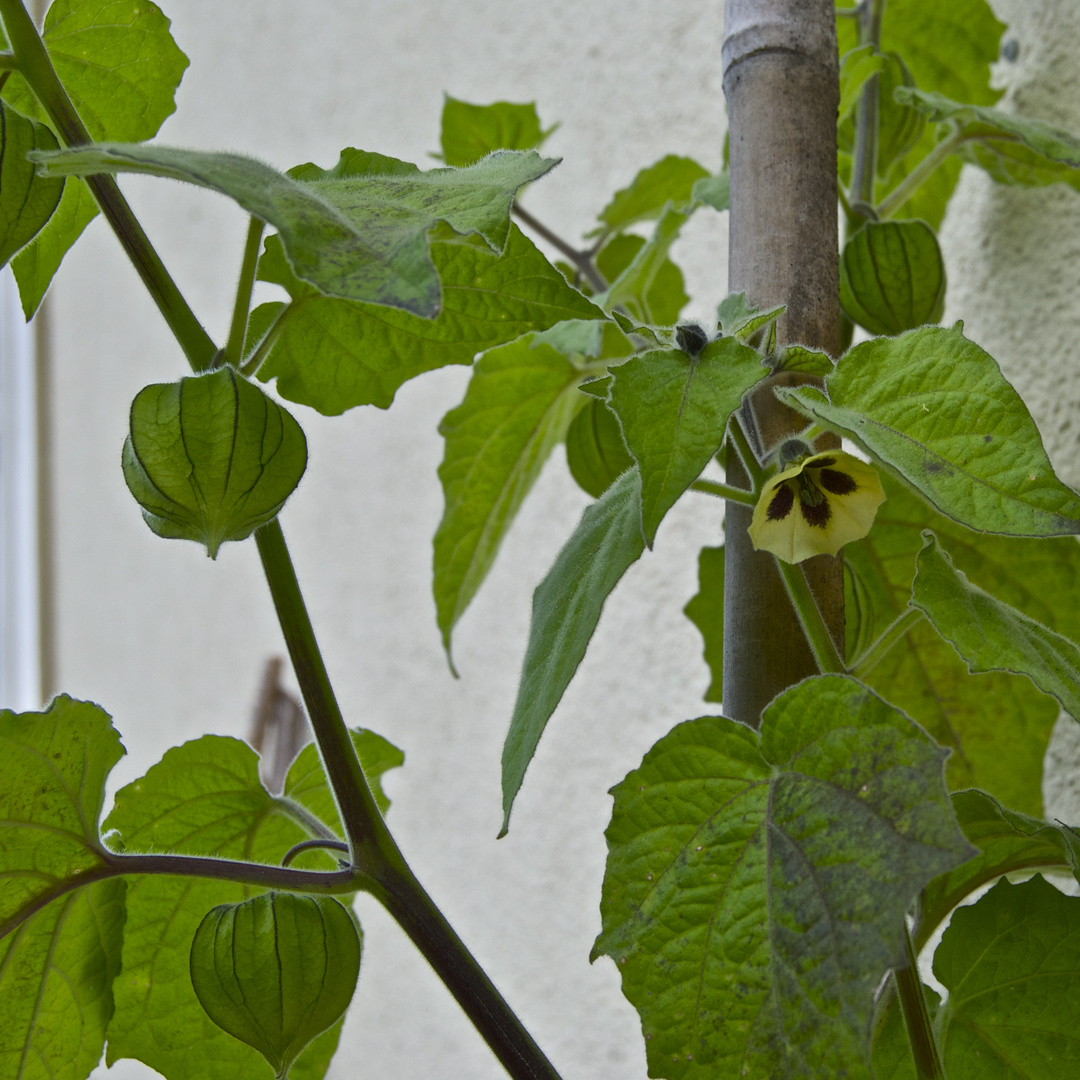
918 176
725 491
581 259
893 633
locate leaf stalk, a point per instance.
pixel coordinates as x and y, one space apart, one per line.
924 1048
234 347
809 615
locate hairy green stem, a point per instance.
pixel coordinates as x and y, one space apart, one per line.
747 456
892 634
909 988
379 866
35 66
918 176
864 166
255 361
806 609
234 347
582 260
725 491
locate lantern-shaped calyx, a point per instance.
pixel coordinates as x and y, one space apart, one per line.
276 970
815 504
211 458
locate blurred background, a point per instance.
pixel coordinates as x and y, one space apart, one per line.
174 645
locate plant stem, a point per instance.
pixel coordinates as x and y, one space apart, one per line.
893 633
580 259
8 62
35 66
234 347
864 166
379 866
747 457
924 1048
918 176
252 364
817 633
725 491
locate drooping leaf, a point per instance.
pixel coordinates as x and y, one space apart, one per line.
1011 963
518 406
892 276
202 798
27 201
757 885
1012 149
633 287
211 458
674 411
899 127
948 49
742 320
276 970
1001 747
120 66
334 354
306 781
566 609
663 289
1008 842
670 180
935 407
804 360
58 959
595 450
357 231
470 132
706 611
989 635
714 191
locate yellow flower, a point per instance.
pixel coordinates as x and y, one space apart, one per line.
816 506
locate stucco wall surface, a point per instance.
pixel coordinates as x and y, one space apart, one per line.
173 644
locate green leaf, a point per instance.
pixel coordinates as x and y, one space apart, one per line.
517 408
714 191
756 885
674 411
706 611
1012 149
804 360
663 293
634 286
566 609
670 180
1008 842
999 748
856 66
595 451
892 276
357 231
202 798
276 971
27 201
1011 963
949 49
58 959
120 66
989 635
334 354
470 132
935 407
210 458
899 127
742 320
306 781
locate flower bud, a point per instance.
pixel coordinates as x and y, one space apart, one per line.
210 458
276 971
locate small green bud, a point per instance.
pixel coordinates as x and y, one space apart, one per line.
276 970
210 458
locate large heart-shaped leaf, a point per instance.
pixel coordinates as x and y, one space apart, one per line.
757 884
357 231
935 407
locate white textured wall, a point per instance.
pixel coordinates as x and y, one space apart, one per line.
173 645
